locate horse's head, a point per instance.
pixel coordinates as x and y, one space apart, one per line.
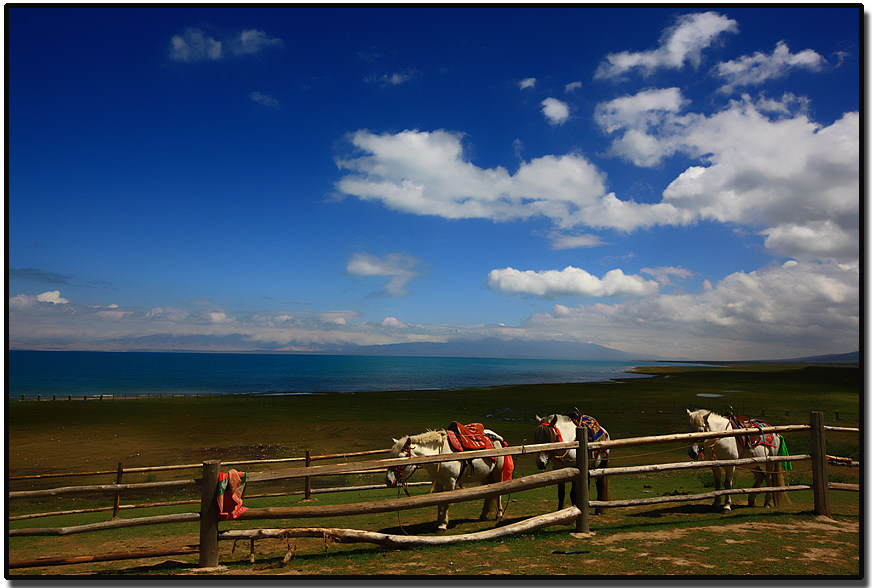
399 474
549 431
698 422
429 443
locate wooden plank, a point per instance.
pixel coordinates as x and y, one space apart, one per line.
111 524
119 555
842 429
564 516
845 487
692 465
102 488
693 497
395 504
675 437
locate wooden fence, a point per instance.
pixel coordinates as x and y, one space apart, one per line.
208 487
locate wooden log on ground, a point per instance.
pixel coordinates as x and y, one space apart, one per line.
119 555
692 465
394 504
111 524
693 497
567 515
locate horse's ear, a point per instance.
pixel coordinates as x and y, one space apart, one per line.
688 411
538 419
395 440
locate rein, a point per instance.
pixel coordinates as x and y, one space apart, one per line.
399 470
556 433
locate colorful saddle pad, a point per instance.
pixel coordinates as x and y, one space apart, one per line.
468 437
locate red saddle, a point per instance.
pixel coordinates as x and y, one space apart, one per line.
468 437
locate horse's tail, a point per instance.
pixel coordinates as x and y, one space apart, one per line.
602 483
777 477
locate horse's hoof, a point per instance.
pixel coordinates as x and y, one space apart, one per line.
440 530
726 510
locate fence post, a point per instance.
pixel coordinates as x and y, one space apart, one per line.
117 506
209 515
819 474
308 495
582 485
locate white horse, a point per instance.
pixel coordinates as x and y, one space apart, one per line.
732 448
448 475
557 428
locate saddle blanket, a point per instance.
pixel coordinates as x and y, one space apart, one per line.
471 437
468 437
594 430
752 441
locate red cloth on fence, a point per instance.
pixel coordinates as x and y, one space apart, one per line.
230 489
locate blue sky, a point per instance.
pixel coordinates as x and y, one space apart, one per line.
681 182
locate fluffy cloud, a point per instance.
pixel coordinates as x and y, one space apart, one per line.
527 83
194 45
753 70
400 268
555 111
426 173
790 310
570 281
679 44
571 87
764 165
53 297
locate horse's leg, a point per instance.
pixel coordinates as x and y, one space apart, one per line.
490 503
729 471
561 495
759 478
716 474
443 483
602 486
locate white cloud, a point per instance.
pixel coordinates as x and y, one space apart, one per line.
393 322
252 41
753 70
527 83
566 241
54 297
264 99
399 267
664 273
571 87
570 281
555 111
791 310
762 164
679 44
194 45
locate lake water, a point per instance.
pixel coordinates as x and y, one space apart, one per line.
78 373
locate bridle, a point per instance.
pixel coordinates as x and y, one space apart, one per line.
399 471
555 434
710 444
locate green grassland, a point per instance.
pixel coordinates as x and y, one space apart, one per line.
60 436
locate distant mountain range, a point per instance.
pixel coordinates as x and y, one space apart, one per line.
852 357
493 347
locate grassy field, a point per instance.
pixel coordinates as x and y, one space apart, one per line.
684 539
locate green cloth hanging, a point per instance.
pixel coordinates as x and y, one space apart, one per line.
782 450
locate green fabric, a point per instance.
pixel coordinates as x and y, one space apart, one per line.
783 451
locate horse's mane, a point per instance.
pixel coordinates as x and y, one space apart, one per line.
431 437
697 417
